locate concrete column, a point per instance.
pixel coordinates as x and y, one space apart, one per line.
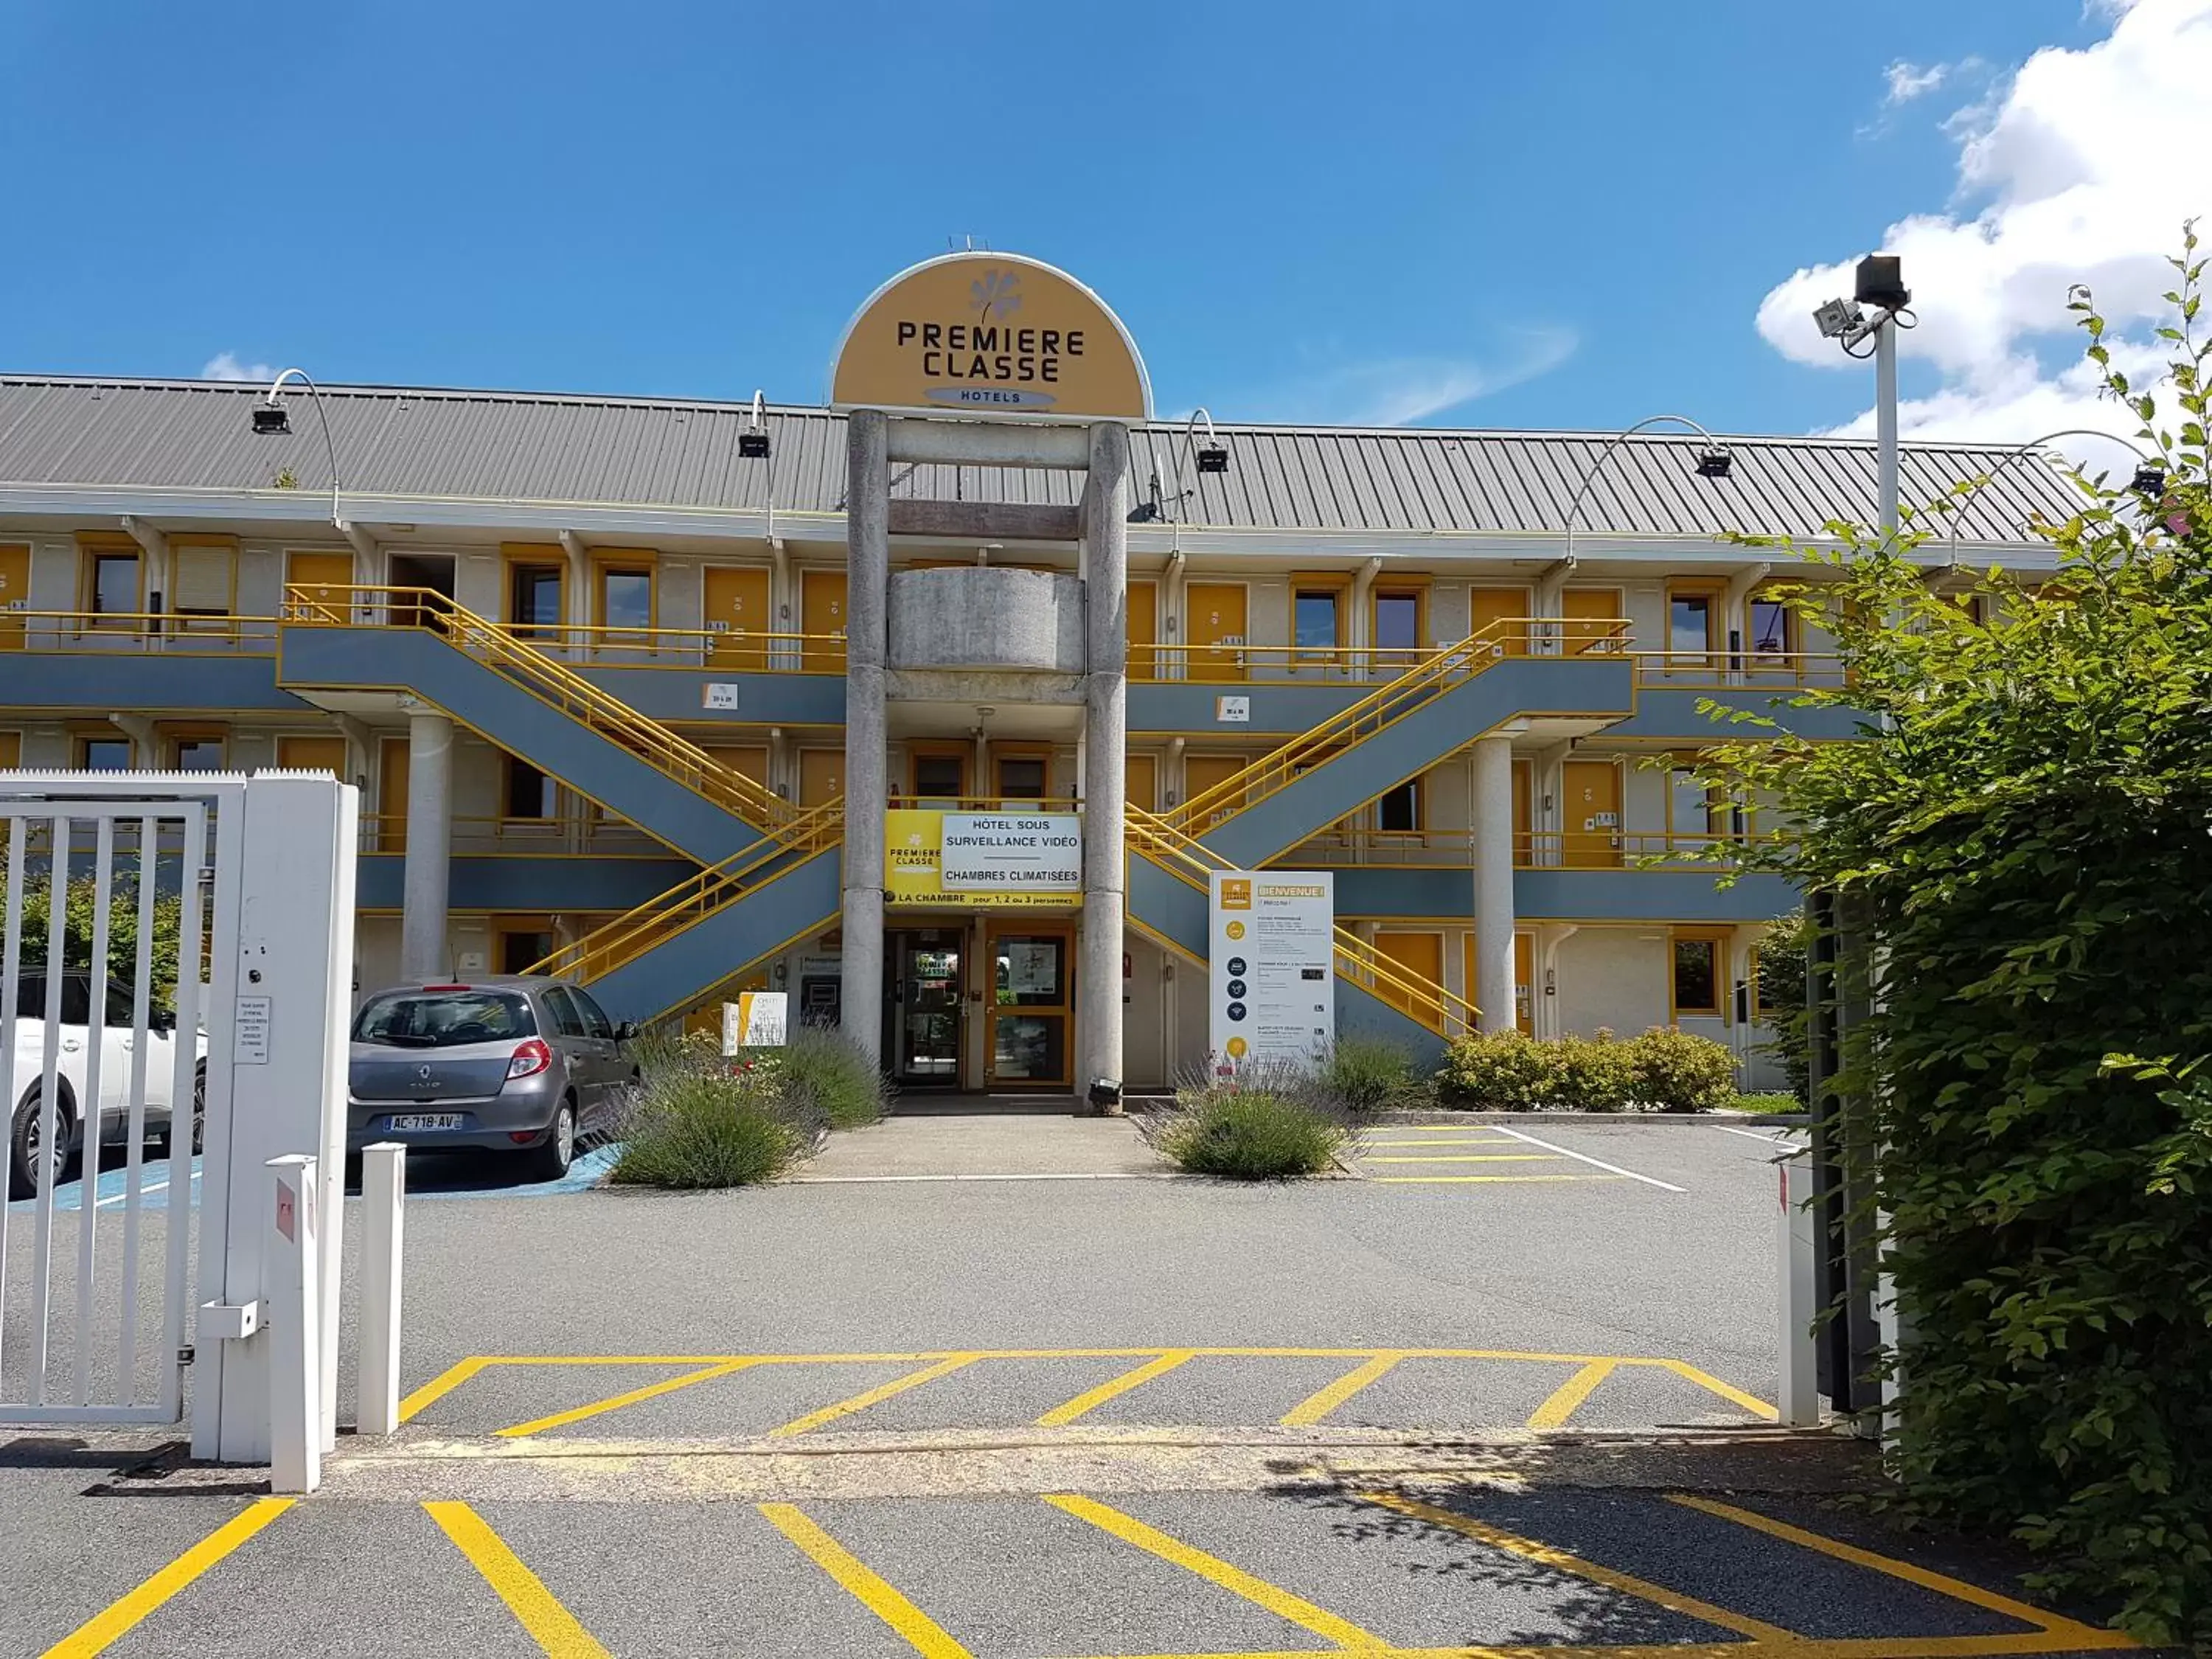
423 954
1105 749
867 783
1493 881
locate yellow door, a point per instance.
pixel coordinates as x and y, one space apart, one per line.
1590 815
748 759
1494 614
320 755
1524 961
11 751
739 618
392 796
821 775
1142 781
320 580
1593 617
822 617
14 595
1216 614
1203 772
1144 631
1422 956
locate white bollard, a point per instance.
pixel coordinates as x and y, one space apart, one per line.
1799 1400
294 1328
383 1201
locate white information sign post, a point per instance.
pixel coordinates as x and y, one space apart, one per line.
758 1019
1271 945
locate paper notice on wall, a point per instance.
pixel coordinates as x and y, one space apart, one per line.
758 1019
1271 949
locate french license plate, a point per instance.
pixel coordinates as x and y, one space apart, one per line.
402 1120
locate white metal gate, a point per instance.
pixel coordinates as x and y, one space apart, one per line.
97 1275
96 1055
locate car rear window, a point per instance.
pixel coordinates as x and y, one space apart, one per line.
443 1019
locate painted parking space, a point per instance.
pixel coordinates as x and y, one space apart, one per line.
782 1396
429 1176
1415 1567
1482 1155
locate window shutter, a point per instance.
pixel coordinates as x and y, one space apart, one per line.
203 580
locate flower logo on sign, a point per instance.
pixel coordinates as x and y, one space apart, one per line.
994 294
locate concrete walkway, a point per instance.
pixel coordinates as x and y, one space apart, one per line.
972 1138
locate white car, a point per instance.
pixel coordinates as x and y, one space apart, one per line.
72 1051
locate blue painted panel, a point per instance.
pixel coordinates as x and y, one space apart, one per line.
487 702
1433 727
1446 894
107 680
1647 895
676 694
1669 713
1276 710
677 972
514 883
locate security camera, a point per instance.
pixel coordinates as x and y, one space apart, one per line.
1837 317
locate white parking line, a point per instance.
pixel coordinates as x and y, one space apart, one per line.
124 1196
1753 1134
1649 1181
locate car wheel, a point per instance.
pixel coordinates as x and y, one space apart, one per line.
551 1159
23 1145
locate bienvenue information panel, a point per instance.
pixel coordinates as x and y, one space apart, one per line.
1271 949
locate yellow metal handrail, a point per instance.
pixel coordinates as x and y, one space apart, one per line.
327 605
1445 1012
618 942
147 628
1510 636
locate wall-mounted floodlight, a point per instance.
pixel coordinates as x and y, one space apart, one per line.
752 439
269 420
1212 454
2149 481
1837 318
1714 462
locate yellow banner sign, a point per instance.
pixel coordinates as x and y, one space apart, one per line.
990 334
943 860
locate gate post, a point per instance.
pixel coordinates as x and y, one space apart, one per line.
287 876
295 1326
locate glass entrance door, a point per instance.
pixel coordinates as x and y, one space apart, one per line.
927 1019
1032 1007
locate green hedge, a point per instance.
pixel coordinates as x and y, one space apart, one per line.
1661 1070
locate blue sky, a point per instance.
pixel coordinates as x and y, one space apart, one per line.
1463 213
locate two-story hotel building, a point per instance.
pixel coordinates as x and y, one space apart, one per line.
678 696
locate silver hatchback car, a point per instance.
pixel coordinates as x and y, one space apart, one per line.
508 1062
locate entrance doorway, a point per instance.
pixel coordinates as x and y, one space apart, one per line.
922 1015
1033 1010
432 573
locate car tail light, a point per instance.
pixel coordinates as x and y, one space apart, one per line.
530 1059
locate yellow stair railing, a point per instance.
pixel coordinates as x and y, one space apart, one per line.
617 944
323 605
1420 684
1445 1012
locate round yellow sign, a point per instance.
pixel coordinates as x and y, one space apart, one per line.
1235 930
990 334
1238 1048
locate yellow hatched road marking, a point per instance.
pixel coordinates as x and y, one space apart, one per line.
1544 1555
1706 1379
923 1633
615 1402
2051 1624
1319 1404
1568 1397
1089 1401
861 1402
1441 1140
444 1384
548 1624
100 1631
1471 1158
1258 1591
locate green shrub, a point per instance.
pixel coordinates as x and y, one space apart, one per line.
1499 1071
1251 1134
692 1126
1595 1073
1765 1104
1675 1072
1365 1075
825 1073
1782 997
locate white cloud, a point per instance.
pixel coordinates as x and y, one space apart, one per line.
1904 82
225 365
2084 165
1400 391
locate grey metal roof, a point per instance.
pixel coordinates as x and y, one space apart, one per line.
548 448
